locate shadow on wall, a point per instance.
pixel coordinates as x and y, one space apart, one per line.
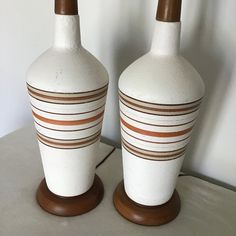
209 58
132 40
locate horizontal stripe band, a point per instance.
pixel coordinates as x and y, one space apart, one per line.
156 124
68 122
148 158
154 113
68 144
155 153
151 155
66 93
152 142
156 134
66 98
66 114
65 148
161 104
64 130
68 140
68 102
160 109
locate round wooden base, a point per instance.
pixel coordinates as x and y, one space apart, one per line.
70 206
145 215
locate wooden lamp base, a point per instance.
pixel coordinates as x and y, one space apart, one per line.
70 206
145 215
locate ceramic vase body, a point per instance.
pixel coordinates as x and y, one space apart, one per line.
67 88
160 95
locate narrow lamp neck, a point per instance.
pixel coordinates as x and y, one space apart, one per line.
166 38
67 32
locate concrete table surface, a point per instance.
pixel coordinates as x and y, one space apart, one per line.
207 209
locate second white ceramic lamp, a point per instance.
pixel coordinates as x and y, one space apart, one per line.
160 96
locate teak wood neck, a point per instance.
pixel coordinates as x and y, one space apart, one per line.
66 7
169 10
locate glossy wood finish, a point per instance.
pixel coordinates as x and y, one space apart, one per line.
66 7
70 206
145 215
169 10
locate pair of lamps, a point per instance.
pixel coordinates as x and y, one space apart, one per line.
159 96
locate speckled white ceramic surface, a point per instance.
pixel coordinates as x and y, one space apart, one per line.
67 88
160 95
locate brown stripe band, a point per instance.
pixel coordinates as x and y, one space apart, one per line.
66 93
150 113
68 146
161 109
68 103
66 114
151 103
42 96
154 153
68 122
71 141
148 158
156 134
156 156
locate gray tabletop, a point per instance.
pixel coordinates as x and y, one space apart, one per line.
207 209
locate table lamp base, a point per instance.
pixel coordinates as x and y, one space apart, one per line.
145 215
70 206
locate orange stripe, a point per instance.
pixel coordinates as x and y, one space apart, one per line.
68 122
152 141
155 134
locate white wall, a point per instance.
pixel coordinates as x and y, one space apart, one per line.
209 42
117 32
